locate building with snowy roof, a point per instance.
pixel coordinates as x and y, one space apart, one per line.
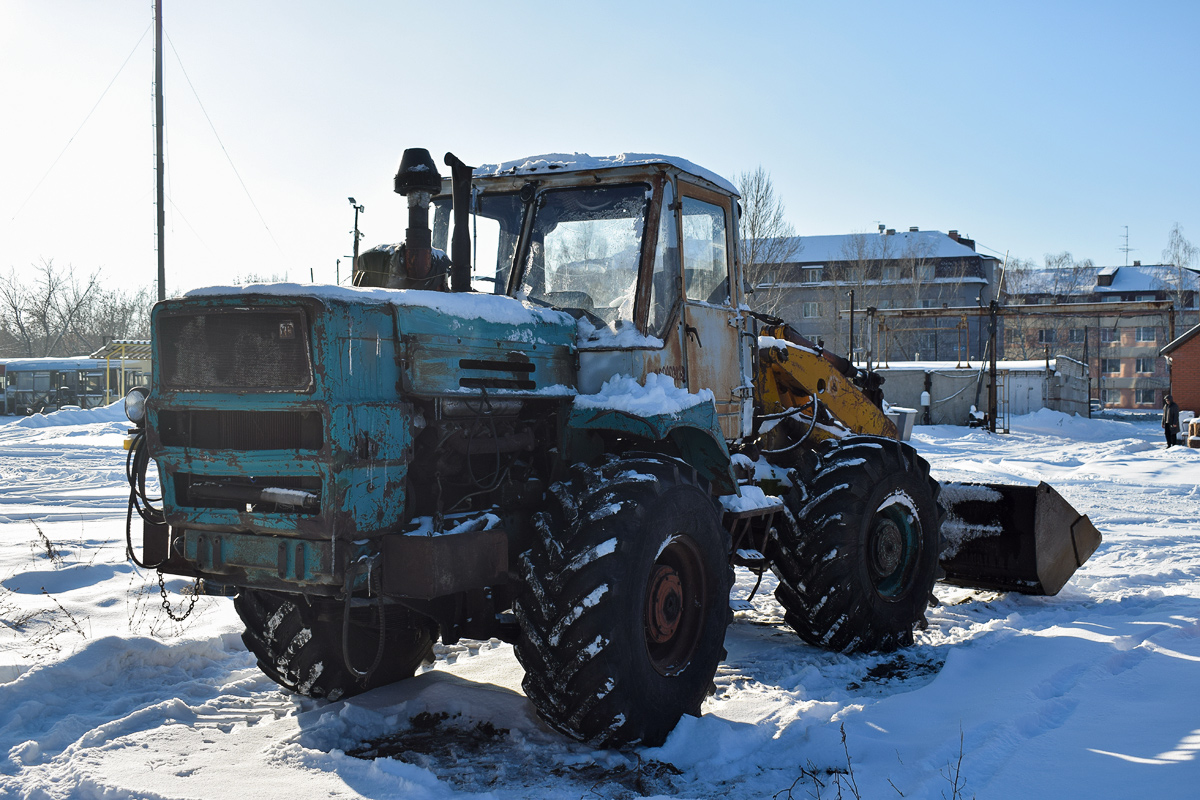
1120 348
811 281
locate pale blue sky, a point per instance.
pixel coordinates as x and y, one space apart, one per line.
1032 127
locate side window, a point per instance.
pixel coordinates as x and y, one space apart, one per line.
705 273
664 283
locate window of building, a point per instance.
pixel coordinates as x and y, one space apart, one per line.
891 273
811 275
924 272
1112 298
1046 336
927 344
1110 366
1145 365
1148 334
1075 336
1145 298
1144 397
927 303
1109 335
1110 397
810 310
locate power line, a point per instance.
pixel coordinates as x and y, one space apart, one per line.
222 144
85 120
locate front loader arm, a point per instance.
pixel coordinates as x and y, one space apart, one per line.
796 374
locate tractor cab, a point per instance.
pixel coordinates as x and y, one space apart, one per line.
640 249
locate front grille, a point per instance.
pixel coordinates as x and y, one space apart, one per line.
240 348
241 430
517 375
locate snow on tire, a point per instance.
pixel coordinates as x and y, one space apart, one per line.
623 602
857 565
298 642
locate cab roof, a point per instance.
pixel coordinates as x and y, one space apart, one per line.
581 162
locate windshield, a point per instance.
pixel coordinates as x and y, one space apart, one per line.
585 249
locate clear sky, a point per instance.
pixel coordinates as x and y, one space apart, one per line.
1032 127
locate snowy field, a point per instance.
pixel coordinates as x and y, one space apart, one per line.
1094 693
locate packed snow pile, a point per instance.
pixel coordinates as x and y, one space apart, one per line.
659 395
113 412
1087 694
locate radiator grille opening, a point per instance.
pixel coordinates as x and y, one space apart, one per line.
516 375
238 348
241 430
243 493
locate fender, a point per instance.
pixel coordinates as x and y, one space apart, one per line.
694 432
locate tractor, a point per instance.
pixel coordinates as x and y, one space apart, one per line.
549 416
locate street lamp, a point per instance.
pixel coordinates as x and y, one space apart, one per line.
357 210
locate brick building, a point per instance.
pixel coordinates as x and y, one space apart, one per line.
1121 350
1184 356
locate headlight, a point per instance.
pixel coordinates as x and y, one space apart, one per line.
135 405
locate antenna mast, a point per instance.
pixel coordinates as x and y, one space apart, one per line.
1126 248
158 147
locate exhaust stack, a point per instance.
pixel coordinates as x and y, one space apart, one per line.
460 244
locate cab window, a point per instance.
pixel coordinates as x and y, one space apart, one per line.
705 270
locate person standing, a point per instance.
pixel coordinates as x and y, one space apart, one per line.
1170 419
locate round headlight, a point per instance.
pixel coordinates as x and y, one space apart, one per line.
135 405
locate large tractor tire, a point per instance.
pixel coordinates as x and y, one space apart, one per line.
856 569
624 601
298 642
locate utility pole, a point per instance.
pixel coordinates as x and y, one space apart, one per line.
850 343
158 148
357 210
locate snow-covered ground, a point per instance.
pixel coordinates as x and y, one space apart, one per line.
1094 693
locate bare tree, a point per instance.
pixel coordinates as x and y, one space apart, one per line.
768 242
1182 257
53 312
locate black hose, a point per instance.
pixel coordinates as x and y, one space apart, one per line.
136 462
351 573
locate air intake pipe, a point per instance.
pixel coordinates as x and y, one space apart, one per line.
418 180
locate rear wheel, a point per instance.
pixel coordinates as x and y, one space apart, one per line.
856 569
624 602
298 642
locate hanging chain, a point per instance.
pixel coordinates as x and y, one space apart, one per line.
166 603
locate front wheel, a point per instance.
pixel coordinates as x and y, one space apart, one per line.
624 602
857 566
298 642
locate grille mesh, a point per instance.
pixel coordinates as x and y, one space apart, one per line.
235 349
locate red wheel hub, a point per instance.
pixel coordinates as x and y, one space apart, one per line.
665 608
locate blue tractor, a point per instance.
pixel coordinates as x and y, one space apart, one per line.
567 444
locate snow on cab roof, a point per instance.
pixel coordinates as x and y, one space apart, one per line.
574 162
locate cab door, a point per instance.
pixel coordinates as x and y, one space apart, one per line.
716 351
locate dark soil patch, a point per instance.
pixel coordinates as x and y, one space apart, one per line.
898 669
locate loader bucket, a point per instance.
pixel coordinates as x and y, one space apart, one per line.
1025 539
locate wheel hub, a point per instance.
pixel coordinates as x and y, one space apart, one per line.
665 608
889 547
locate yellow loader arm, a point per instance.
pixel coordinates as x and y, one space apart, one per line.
798 376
